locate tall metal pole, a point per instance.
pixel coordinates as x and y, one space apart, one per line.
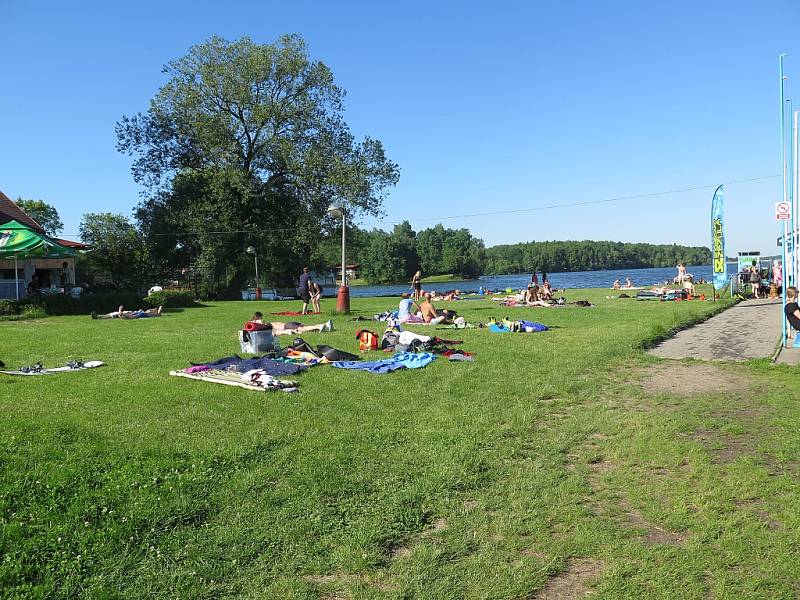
785 193
344 241
255 257
795 195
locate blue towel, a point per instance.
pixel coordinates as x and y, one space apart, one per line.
494 328
401 360
533 325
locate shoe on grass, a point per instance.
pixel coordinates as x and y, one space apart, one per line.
328 326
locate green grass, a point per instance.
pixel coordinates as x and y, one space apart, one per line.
463 480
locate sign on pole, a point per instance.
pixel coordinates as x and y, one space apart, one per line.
783 211
718 242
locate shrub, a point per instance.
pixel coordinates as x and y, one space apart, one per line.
170 298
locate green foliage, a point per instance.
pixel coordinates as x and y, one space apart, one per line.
44 214
118 256
249 140
170 299
588 256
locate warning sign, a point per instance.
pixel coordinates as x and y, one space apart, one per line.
783 211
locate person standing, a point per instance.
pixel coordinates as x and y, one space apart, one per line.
304 289
544 277
316 294
755 279
67 277
416 284
534 279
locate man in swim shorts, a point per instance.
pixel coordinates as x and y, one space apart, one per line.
429 312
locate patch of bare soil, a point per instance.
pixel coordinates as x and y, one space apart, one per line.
652 533
725 448
689 380
534 554
573 582
437 526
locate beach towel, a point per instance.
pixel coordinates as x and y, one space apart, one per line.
401 360
238 364
73 365
255 380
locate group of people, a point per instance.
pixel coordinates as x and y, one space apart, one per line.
426 312
65 277
617 286
309 291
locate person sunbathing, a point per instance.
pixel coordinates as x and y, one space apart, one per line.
121 313
429 311
289 327
546 293
615 285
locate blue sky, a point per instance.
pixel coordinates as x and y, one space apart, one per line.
485 107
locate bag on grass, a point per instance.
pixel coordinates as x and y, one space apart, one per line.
258 342
367 340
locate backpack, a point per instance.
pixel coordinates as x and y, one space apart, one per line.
367 340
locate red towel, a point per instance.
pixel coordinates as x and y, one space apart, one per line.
250 326
293 313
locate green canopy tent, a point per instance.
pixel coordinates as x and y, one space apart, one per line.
18 241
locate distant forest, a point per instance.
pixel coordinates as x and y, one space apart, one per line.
393 256
588 255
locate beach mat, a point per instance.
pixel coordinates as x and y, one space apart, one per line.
90 364
234 379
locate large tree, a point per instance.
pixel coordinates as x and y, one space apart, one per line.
43 213
246 145
117 256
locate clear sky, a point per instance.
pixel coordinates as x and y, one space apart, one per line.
485 106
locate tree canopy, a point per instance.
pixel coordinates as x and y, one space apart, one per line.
43 213
246 144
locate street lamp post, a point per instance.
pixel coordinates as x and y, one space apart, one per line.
252 250
343 295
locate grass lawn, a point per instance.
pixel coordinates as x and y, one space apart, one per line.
556 463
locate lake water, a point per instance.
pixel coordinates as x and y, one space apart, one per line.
579 279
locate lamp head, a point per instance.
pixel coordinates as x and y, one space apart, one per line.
251 250
336 211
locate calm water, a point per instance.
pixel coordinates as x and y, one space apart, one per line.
580 279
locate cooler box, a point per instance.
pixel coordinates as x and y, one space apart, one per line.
258 342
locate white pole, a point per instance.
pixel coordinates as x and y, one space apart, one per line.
344 266
16 277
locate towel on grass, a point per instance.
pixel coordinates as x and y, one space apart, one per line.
401 360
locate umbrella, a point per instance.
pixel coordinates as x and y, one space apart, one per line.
19 241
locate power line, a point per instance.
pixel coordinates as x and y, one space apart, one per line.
585 202
489 213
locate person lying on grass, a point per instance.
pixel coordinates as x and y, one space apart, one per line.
290 327
121 313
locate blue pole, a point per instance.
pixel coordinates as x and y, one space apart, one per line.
783 173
